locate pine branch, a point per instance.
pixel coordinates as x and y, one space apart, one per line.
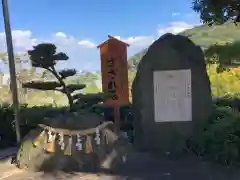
86 103
60 57
40 61
45 56
75 87
67 73
81 105
89 97
65 89
41 85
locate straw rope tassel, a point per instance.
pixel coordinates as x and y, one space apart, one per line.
45 140
88 145
61 141
51 144
68 150
39 139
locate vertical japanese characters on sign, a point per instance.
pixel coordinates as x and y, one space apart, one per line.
114 71
112 87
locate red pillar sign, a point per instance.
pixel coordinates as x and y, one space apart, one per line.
114 69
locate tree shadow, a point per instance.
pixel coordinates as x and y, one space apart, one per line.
146 166
139 165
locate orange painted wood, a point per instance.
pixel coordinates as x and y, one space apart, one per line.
114 69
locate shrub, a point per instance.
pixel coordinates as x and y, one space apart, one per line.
30 117
7 125
220 141
232 101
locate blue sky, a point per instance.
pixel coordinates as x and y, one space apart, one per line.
77 26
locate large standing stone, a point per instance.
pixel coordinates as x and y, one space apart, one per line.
171 94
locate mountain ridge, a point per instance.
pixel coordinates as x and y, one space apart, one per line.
203 36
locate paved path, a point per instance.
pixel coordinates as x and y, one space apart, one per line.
24 175
141 166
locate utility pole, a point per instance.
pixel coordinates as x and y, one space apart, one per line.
12 70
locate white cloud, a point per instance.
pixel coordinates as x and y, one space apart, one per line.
174 27
83 53
117 37
21 39
61 34
137 41
144 41
87 44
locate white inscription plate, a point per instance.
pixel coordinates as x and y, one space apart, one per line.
172 95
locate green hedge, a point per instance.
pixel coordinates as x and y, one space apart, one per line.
220 141
31 117
232 101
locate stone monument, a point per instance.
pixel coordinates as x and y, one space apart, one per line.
171 95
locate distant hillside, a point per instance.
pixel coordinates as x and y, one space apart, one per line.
203 36
91 79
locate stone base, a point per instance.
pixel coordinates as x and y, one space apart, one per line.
107 155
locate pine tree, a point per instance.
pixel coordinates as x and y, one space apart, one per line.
217 11
45 56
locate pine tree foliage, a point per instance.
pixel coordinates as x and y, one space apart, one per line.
217 11
45 56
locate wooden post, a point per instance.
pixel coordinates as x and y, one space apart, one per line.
13 84
114 69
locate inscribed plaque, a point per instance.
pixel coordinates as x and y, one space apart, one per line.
172 95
